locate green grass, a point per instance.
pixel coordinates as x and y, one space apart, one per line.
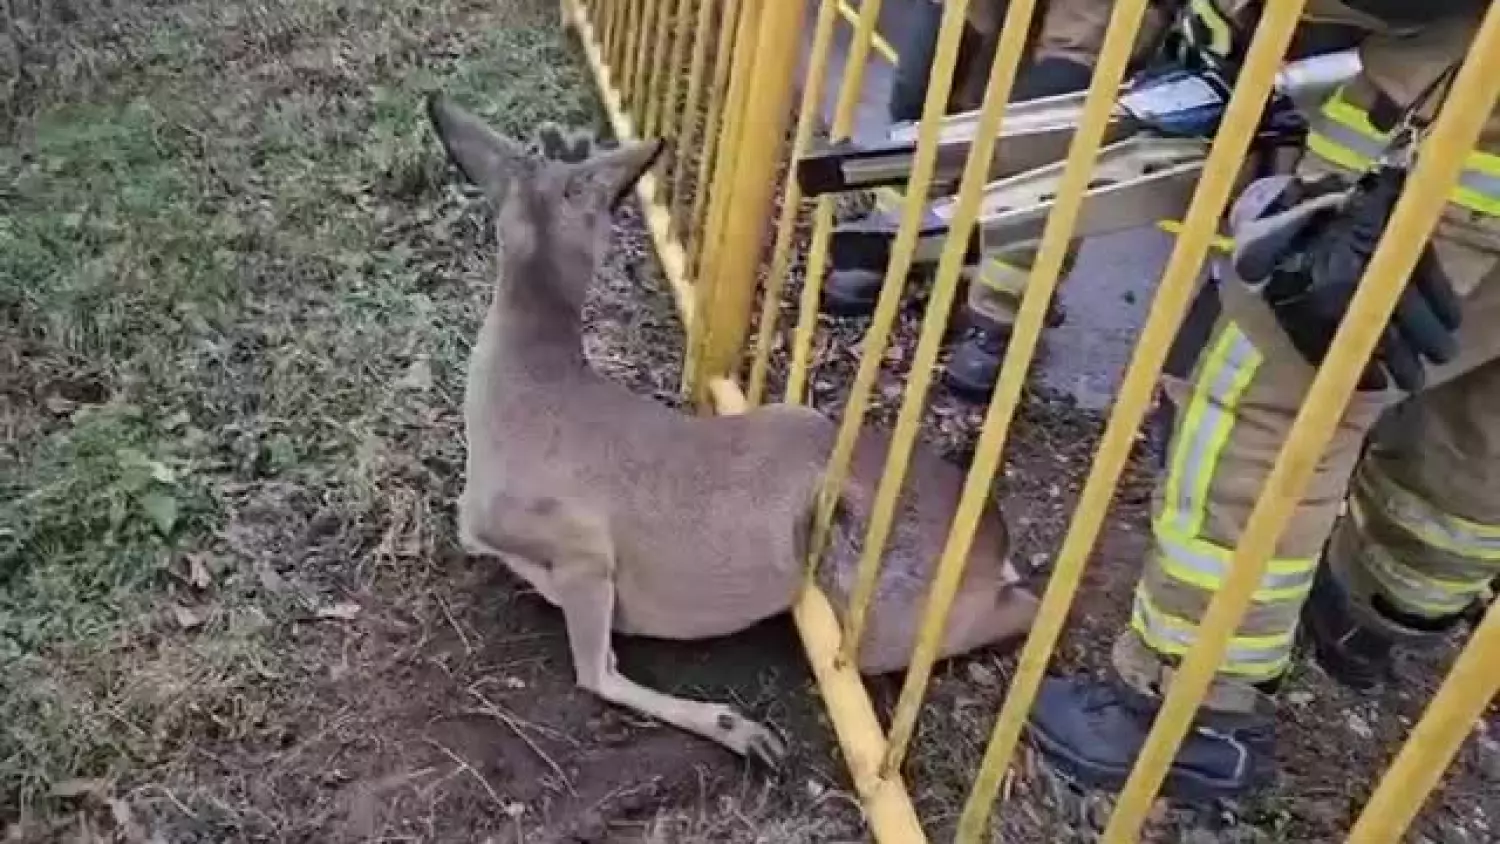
219 288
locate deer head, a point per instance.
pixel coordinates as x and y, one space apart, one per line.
556 198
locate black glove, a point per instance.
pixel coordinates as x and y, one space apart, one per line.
1306 256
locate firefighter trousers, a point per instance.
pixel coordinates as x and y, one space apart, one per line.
1410 526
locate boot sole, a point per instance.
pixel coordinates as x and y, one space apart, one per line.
1186 787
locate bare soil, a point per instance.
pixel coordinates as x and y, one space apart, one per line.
238 299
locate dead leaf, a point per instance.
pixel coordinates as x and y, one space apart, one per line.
128 827
270 580
187 618
199 574
418 376
343 611
80 787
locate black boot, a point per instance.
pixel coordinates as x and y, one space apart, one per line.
976 360
1353 641
1093 731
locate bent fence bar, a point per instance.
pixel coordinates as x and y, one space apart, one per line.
717 78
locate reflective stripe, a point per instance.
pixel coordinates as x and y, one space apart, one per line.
1248 656
1206 428
1435 528
1344 135
1410 589
1221 38
1206 565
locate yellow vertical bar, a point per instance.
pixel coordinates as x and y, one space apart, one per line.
646 62
661 68
709 127
813 84
628 53
691 125
721 125
1167 311
734 258
682 27
715 177
1437 169
850 89
1450 718
1125 21
618 39
976 172
606 26
939 84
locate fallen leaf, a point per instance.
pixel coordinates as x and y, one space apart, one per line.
198 572
344 611
1299 698
80 788
128 827
982 674
270 580
418 376
187 618
162 510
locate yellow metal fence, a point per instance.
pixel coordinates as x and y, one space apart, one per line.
716 78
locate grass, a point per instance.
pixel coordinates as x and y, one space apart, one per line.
218 313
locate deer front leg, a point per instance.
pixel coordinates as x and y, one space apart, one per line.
584 585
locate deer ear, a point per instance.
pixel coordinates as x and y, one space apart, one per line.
487 158
611 174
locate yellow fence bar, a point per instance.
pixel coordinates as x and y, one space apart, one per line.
713 131
649 63
634 47
617 47
682 20
691 127
1460 702
882 46
712 202
611 20
754 165
1008 56
850 88
666 67
658 220
811 109
1174 293
877 335
1114 56
1438 166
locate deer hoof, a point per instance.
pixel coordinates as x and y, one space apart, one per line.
749 739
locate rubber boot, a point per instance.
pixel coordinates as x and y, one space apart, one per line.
1352 638
1092 731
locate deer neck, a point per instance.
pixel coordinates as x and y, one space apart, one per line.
531 328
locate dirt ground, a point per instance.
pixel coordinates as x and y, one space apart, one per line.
238 287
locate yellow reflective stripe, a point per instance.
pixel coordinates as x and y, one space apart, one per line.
1435 528
1221 38
1206 428
1205 565
1410 589
1248 656
1345 137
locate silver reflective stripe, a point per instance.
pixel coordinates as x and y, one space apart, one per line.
1237 659
1370 149
1408 587
1426 522
1212 407
1481 183
1350 138
1213 568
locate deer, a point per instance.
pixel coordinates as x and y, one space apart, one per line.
636 518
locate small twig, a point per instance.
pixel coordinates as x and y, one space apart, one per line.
511 721
469 769
448 614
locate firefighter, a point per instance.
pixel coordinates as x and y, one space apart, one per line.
1065 42
1394 541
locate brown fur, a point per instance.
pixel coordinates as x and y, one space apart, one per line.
632 517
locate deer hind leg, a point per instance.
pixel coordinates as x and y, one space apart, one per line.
578 547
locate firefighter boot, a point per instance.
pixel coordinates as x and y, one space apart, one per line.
1352 627
1092 731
